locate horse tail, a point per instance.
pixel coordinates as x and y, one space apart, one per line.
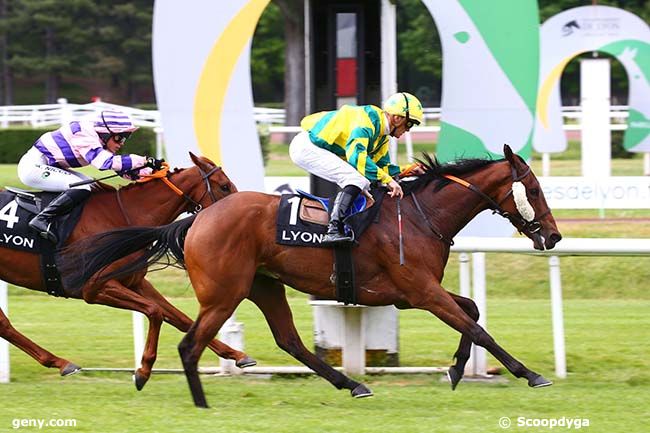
79 261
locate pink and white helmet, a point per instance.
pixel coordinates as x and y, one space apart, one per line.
113 122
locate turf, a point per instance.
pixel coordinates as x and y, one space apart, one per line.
606 323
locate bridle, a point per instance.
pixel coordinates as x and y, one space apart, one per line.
194 206
522 225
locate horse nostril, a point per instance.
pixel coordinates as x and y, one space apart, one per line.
555 238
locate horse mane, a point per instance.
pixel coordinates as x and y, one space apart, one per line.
435 171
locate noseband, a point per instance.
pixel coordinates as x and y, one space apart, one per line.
205 177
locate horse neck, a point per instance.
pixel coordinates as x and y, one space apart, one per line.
453 208
152 204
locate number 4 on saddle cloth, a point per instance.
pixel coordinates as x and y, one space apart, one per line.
302 221
17 208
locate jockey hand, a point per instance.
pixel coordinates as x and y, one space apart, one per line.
415 169
395 189
154 163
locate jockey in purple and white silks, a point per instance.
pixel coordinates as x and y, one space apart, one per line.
48 163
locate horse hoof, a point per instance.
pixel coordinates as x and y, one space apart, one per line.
539 381
140 380
454 377
246 362
361 391
70 369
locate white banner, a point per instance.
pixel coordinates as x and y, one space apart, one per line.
584 29
201 51
597 193
561 192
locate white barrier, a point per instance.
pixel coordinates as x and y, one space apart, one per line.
4 345
567 247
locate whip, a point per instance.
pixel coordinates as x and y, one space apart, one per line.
399 228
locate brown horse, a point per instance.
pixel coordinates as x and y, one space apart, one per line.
225 246
155 202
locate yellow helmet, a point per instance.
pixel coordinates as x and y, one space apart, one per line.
405 105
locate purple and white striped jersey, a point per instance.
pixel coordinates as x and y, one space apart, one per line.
77 145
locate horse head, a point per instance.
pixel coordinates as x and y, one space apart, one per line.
207 183
525 205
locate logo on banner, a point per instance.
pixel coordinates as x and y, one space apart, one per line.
568 28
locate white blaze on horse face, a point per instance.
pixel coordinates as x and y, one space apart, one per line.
521 201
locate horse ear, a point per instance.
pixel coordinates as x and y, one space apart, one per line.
195 159
507 152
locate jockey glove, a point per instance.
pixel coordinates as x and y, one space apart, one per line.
154 163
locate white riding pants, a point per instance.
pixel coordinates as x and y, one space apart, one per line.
324 163
33 171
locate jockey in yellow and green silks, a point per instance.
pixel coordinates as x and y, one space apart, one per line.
350 147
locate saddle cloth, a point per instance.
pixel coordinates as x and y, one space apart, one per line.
18 207
303 218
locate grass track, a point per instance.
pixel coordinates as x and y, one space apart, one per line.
603 384
606 322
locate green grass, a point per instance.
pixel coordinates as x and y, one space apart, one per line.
608 374
605 306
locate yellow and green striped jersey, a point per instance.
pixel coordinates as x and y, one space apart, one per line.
356 134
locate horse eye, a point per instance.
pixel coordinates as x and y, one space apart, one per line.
225 188
534 192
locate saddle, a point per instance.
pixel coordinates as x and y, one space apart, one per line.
17 208
303 219
315 209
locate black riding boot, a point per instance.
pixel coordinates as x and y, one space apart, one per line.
335 229
61 205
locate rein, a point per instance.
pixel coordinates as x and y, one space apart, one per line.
519 222
163 174
431 227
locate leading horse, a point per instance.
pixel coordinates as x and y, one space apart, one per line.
156 202
226 245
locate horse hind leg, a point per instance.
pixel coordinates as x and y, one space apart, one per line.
114 294
269 296
180 321
45 358
463 352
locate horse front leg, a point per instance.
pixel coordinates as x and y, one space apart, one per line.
270 297
180 321
439 302
45 358
112 293
463 352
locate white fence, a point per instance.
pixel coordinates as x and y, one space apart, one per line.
472 284
55 114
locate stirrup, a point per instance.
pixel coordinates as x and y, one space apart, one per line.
45 233
336 238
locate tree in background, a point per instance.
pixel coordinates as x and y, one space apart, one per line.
267 57
123 51
419 53
50 38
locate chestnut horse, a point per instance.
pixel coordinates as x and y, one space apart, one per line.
156 202
226 245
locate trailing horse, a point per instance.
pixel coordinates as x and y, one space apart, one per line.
156 202
224 247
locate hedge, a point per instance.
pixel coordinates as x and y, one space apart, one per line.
14 142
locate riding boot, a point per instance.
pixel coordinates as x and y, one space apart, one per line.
61 205
336 229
